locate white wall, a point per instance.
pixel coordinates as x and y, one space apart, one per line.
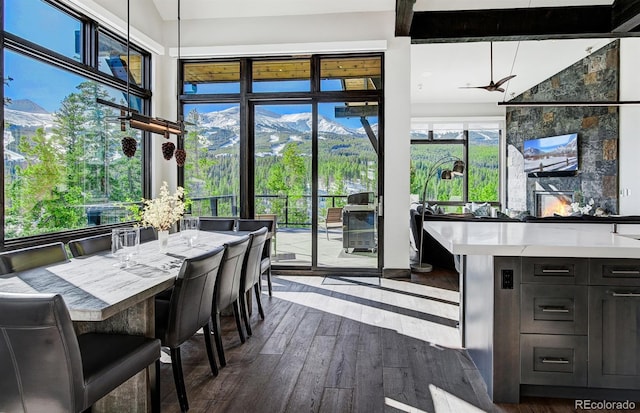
629 139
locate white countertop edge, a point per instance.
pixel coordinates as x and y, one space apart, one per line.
472 238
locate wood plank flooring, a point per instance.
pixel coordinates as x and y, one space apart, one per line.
344 348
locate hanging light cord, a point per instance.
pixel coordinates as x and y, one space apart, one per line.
179 115
513 64
128 58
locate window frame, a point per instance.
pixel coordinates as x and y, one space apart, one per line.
88 68
464 142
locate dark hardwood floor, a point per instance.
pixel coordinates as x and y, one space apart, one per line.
344 348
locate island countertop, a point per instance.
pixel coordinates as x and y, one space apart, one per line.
536 239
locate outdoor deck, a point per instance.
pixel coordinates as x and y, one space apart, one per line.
293 248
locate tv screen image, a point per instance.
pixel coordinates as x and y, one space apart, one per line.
551 154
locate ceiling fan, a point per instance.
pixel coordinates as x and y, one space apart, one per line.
492 86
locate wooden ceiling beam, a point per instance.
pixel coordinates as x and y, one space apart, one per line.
625 15
537 23
404 16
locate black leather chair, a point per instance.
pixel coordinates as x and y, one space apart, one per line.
227 290
148 234
187 310
46 368
217 224
250 277
255 224
90 245
31 257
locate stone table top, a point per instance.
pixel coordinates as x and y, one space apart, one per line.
95 287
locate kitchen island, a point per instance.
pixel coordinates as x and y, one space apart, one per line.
549 309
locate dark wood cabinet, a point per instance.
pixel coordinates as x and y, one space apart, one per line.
614 337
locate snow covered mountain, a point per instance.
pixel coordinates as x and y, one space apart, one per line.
270 122
26 113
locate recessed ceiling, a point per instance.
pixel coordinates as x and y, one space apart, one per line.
440 70
432 5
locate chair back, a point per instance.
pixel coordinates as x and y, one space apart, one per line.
39 355
255 224
90 245
228 284
148 234
192 297
32 257
217 224
334 215
253 259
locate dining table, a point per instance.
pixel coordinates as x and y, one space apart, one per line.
103 294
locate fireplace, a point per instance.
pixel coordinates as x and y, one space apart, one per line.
548 203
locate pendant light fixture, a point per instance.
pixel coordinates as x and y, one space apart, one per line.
135 120
180 154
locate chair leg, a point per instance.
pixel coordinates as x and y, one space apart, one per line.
269 280
176 366
244 310
218 338
236 314
256 288
154 381
209 345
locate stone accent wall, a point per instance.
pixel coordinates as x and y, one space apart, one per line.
594 78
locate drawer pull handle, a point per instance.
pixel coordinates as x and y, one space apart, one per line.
636 272
553 309
552 271
554 360
625 294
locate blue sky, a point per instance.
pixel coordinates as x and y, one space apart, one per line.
550 143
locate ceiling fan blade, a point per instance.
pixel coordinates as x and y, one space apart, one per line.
475 87
504 80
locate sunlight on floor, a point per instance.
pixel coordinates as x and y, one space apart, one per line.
444 401
425 330
402 406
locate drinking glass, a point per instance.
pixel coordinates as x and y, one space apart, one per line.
194 229
124 245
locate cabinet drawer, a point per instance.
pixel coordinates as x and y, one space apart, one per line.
614 272
553 360
551 270
557 309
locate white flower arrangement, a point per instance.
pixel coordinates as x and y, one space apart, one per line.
165 210
584 209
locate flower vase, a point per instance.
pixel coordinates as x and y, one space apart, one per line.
163 240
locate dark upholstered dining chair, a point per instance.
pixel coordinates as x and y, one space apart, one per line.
148 234
46 368
250 277
90 245
32 257
217 224
227 288
255 224
187 310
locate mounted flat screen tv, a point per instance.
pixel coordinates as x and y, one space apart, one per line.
551 156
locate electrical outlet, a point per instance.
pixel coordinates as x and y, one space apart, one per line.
507 279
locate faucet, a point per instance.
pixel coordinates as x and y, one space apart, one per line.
614 228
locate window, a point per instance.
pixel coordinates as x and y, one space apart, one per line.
64 169
213 144
42 24
435 146
351 73
211 77
282 75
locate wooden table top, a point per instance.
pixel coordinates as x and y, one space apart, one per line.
94 287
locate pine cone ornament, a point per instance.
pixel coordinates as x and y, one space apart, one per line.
181 156
167 150
129 146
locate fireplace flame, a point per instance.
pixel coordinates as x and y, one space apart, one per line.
556 207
